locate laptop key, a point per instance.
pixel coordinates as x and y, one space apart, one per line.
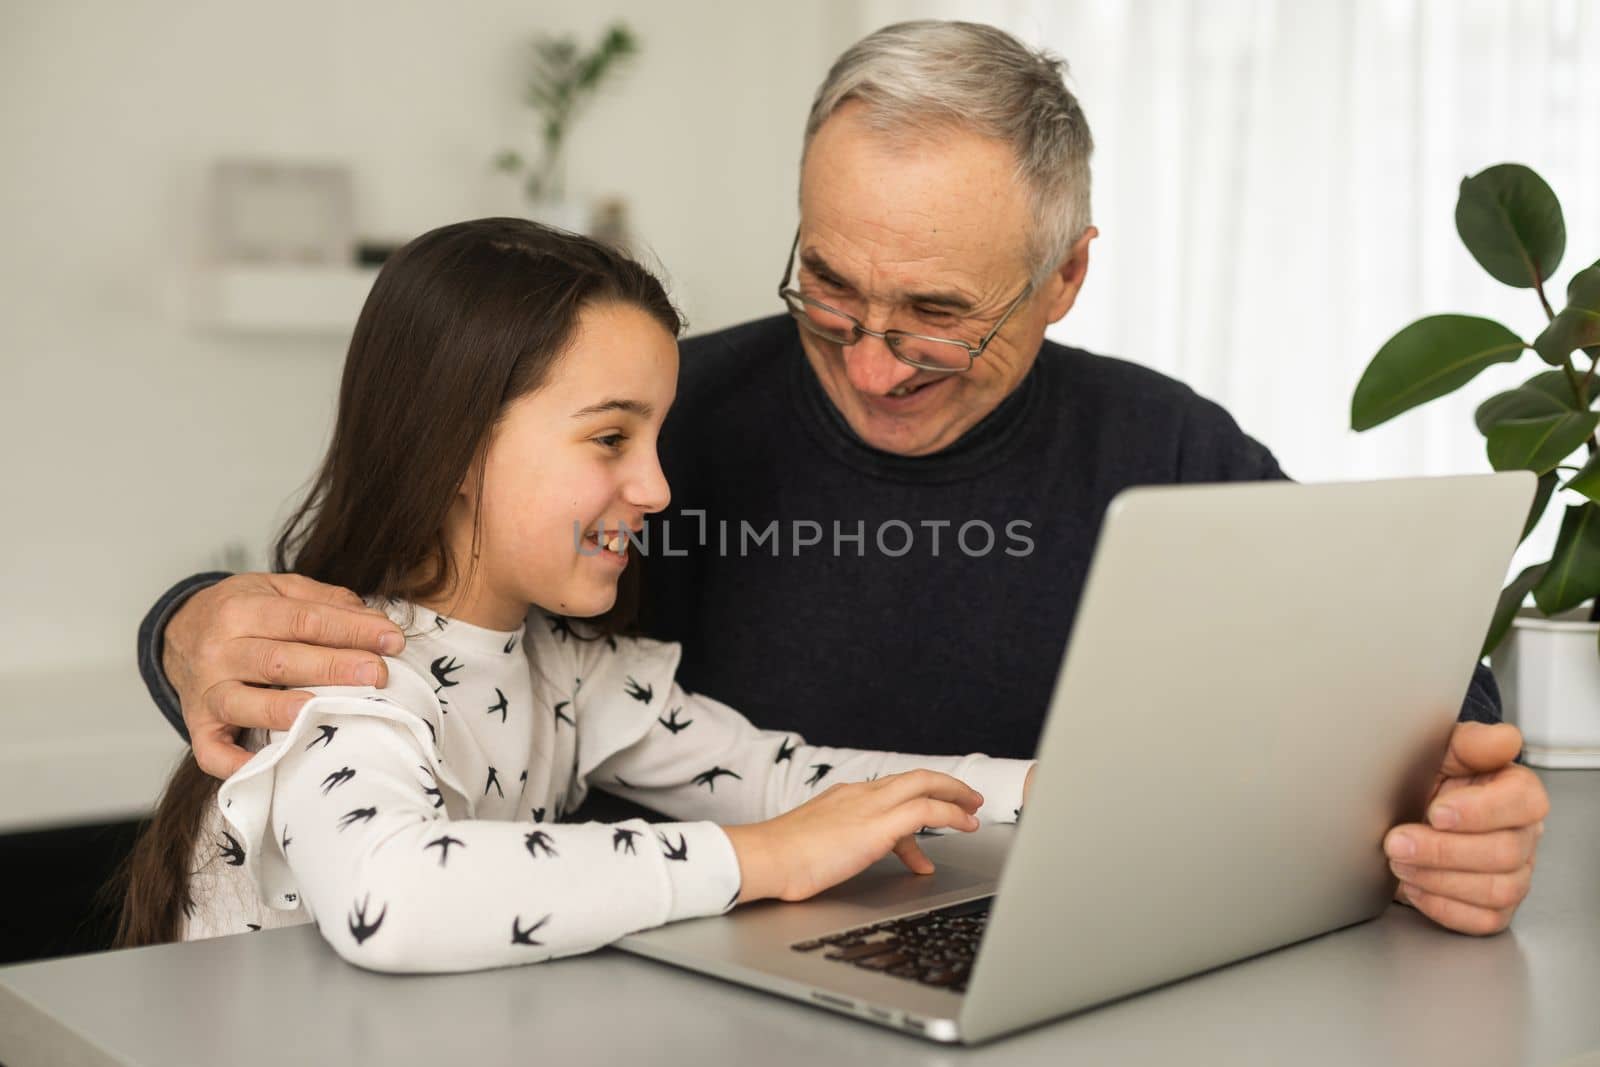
852 953
882 961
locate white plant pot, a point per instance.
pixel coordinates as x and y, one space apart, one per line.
1549 675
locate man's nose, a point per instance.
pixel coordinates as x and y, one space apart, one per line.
872 368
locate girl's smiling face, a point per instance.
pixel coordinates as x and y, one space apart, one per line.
575 456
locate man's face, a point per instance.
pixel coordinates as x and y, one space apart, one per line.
927 236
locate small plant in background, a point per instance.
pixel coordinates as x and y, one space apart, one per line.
1511 222
561 80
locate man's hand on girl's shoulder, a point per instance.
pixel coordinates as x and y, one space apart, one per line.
234 652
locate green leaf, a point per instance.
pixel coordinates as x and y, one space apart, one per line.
1511 599
1511 222
1578 324
1541 498
1538 444
1524 402
1574 574
1587 480
1426 360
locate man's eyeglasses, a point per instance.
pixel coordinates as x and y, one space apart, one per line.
919 350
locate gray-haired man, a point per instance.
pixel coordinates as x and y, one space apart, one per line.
886 497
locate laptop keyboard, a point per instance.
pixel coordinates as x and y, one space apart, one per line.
935 947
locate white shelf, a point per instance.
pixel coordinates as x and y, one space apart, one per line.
315 301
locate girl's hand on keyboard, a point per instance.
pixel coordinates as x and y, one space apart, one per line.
845 829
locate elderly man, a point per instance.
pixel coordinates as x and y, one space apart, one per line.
887 496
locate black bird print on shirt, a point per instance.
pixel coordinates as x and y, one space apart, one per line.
336 779
671 721
537 813
709 778
443 845
560 627
641 693
360 929
500 706
679 853
563 718
519 936
622 840
324 736
350 818
511 643
785 751
432 733
442 669
537 839
440 621
286 839
232 851
433 790
494 780
821 770
255 928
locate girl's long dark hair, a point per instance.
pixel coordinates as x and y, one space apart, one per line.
460 322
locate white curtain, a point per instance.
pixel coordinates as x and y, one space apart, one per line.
1275 184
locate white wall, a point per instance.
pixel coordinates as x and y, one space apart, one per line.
134 444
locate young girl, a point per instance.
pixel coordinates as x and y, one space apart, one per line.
494 450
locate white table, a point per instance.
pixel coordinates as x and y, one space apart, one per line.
1396 990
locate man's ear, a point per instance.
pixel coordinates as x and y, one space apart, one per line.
1060 289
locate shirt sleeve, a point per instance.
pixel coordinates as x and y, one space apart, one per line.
693 757
353 813
153 642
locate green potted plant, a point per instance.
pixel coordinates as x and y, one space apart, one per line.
561 80
1546 656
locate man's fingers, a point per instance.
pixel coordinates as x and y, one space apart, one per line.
1476 747
217 753
1494 892
254 707
912 856
287 664
299 587
899 788
1499 852
1455 915
1510 798
323 624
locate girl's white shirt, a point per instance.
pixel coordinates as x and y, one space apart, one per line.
419 825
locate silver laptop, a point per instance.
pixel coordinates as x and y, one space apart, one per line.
1243 654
